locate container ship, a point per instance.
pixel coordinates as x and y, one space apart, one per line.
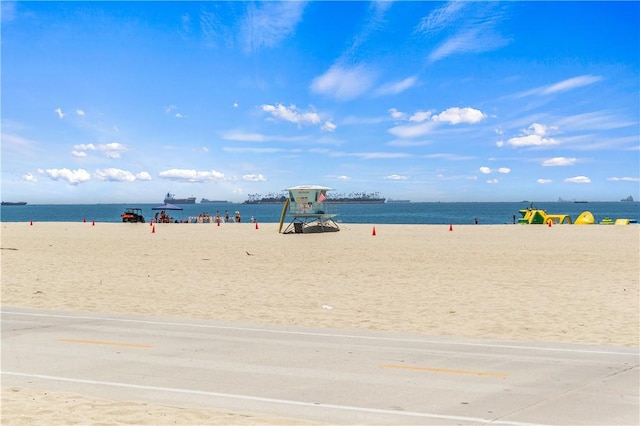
14 203
208 201
171 199
358 198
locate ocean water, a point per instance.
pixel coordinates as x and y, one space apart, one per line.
388 213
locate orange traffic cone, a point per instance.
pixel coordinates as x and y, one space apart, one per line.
93 223
549 223
218 223
153 229
256 225
31 223
374 231
451 227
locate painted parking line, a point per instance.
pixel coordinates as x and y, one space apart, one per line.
444 370
100 342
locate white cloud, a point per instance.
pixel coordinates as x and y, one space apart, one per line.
397 177
504 170
85 147
533 136
420 116
493 181
427 121
578 179
624 179
343 177
559 161
291 114
397 87
59 112
342 83
235 105
115 175
397 115
28 177
111 150
254 178
143 176
544 181
80 112
457 115
73 177
191 175
328 126
412 131
485 170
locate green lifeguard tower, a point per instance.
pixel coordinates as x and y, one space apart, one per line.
309 212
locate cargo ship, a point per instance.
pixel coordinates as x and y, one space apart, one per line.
14 203
357 198
208 201
171 199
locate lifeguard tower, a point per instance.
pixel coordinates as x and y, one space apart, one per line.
308 210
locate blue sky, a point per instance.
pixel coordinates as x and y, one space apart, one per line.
428 101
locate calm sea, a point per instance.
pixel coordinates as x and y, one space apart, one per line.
389 213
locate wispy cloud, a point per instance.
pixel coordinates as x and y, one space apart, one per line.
8 12
344 83
396 87
254 178
266 24
474 26
624 179
561 86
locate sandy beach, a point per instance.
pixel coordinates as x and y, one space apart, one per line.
573 284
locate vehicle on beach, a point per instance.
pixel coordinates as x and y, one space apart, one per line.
132 215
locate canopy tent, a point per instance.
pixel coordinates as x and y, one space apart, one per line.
166 206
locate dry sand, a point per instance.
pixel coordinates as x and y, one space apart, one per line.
574 284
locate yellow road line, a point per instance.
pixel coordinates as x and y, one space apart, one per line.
444 370
98 342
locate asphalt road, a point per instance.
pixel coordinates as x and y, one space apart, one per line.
321 375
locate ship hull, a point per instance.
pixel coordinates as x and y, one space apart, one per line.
180 200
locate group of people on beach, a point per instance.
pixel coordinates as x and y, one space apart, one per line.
218 218
163 217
